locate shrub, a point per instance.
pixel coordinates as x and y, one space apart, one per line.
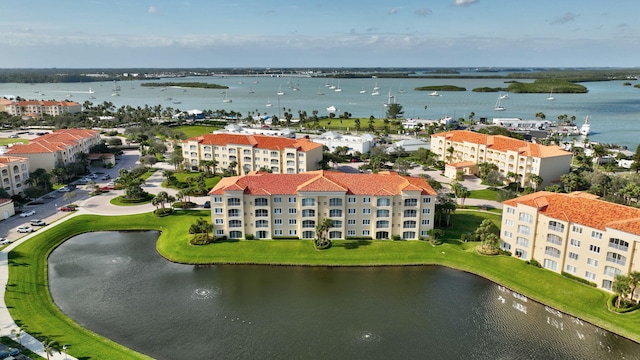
625 308
504 252
534 262
396 237
200 239
580 280
248 236
163 212
183 205
285 238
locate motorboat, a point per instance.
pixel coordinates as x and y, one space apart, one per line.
331 109
435 93
585 129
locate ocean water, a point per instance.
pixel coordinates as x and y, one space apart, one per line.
613 109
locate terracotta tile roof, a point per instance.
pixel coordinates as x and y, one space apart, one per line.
384 183
462 164
503 143
258 141
9 159
582 208
52 142
45 103
4 201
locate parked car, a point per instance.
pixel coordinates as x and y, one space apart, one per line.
25 229
28 213
207 204
92 176
14 136
38 223
106 188
67 208
64 189
106 177
5 241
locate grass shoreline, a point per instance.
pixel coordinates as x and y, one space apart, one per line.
30 304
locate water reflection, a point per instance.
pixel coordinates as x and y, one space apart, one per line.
170 311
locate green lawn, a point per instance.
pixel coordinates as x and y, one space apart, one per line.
209 181
30 303
484 194
195 130
7 141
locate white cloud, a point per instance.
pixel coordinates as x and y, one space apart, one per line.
568 17
393 11
464 2
152 9
422 12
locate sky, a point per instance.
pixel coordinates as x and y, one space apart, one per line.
319 33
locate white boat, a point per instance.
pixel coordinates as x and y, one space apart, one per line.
280 92
435 93
550 97
251 90
375 93
331 109
363 91
226 99
390 100
400 90
376 87
268 103
585 129
504 96
90 91
115 93
338 88
498 106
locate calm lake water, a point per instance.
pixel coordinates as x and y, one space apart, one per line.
115 284
614 109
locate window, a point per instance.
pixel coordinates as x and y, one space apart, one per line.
217 199
351 222
607 284
426 200
410 213
335 202
293 232
407 235
409 224
554 239
525 217
308 202
233 212
596 235
277 221
410 202
521 253
522 241
426 211
425 222
574 242
217 211
550 264
351 233
382 224
576 229
366 200
277 211
277 199
618 244
383 202
508 234
337 223
592 262
335 234
262 223
335 213
508 222
573 256
351 200
524 230
219 221
262 212
262 202
351 211
611 271
292 211
235 223
293 221
510 210
308 224
551 251
594 248
571 269
293 200
366 211
366 222
308 234
616 258
308 213
382 213
233 202
366 233
556 226
589 275
235 234
219 232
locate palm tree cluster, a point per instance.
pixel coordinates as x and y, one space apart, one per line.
322 229
200 231
625 289
160 199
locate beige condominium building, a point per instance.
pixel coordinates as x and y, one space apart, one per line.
376 206
252 152
37 108
56 149
463 150
574 233
14 172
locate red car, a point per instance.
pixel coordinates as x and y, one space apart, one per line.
67 208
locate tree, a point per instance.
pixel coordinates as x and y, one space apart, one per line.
443 209
450 151
598 151
487 233
460 191
357 124
484 168
131 184
634 282
322 229
621 288
201 230
49 346
160 199
572 181
536 180
635 165
394 111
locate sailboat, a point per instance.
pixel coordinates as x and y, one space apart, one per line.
504 96
226 99
280 92
499 107
362 90
338 88
401 90
268 103
376 87
320 91
551 98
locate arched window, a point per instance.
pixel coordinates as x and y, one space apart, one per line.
262 202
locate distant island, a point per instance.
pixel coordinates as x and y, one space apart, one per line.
440 88
199 85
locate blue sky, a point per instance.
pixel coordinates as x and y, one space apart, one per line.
326 33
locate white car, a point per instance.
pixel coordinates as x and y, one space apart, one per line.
64 189
5 241
28 213
25 229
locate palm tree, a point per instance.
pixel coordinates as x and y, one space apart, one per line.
322 229
49 346
634 282
621 288
160 199
201 228
536 180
